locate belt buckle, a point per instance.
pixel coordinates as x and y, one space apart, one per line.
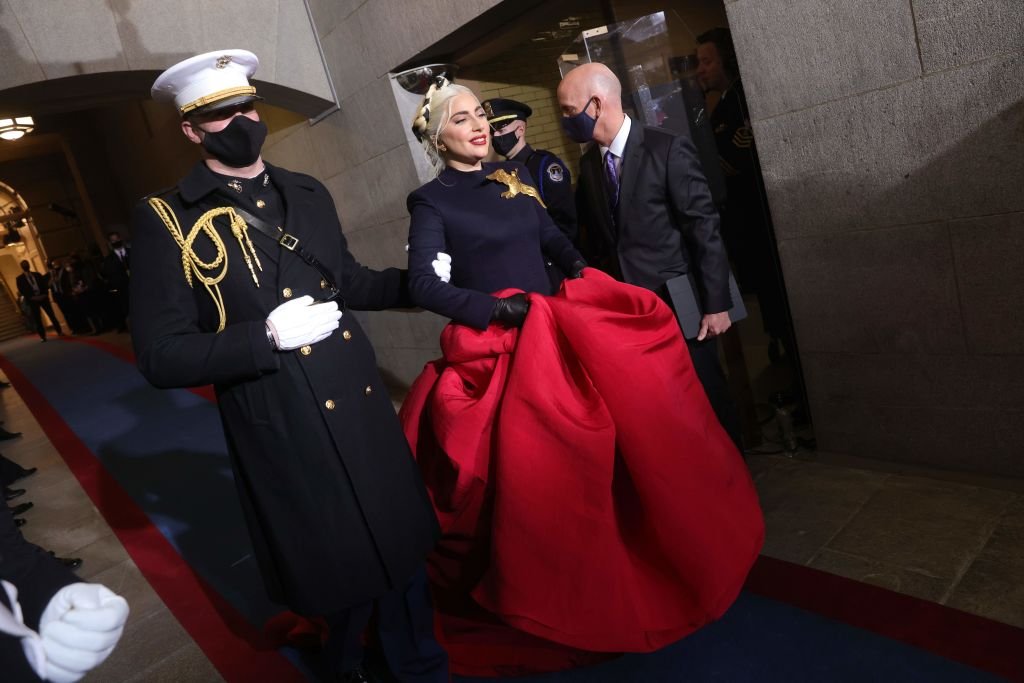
287 241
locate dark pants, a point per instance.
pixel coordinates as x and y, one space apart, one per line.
35 307
704 355
405 626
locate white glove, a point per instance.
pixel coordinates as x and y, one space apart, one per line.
79 628
300 322
443 266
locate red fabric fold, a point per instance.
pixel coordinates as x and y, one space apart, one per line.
587 494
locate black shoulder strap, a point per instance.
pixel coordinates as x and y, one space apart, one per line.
291 243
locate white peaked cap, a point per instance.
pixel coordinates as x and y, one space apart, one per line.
208 81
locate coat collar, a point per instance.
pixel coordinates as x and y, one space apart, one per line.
201 181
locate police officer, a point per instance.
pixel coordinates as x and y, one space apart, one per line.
550 174
241 278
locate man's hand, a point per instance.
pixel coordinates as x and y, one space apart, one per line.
442 266
300 322
79 629
713 324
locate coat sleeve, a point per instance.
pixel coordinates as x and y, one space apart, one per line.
170 347
35 574
696 215
426 239
558 196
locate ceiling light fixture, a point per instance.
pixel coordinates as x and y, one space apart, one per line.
16 127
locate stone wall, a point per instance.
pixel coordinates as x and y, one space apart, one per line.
891 134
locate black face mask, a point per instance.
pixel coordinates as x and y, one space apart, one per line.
117 244
239 144
503 144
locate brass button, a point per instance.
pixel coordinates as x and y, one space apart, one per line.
286 292
260 203
346 335
306 350
323 284
329 404
368 390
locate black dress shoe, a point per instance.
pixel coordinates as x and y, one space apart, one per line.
4 385
11 494
70 562
21 509
5 435
25 473
19 521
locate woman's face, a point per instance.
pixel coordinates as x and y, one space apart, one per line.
466 139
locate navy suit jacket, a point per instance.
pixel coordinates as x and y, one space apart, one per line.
665 224
495 242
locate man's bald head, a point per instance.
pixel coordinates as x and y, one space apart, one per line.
593 87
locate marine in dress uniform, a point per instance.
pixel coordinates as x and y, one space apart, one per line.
508 118
339 517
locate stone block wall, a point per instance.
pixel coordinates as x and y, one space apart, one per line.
891 135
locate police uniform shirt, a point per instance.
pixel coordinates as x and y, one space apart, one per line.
554 184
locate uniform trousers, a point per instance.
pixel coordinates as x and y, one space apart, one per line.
405 628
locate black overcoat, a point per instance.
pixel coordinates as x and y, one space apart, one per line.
332 496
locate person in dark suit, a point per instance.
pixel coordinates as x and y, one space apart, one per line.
338 514
116 273
646 215
69 627
465 212
34 287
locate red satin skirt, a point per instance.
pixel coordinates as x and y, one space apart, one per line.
590 502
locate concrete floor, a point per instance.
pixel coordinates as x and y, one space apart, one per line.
931 535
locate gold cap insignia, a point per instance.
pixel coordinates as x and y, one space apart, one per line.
488 110
222 62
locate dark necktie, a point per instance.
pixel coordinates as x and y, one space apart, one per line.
612 176
32 282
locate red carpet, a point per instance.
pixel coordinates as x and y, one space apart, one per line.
237 649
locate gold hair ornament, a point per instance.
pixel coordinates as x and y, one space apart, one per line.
190 261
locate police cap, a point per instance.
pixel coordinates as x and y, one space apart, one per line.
501 112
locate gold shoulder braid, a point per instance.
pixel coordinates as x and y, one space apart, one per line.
515 185
190 261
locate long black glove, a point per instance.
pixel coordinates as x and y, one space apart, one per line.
511 310
576 269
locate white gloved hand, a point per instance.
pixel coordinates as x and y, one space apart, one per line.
443 266
300 322
79 628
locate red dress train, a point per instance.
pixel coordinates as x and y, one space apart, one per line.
588 497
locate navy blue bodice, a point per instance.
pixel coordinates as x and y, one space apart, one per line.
495 242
